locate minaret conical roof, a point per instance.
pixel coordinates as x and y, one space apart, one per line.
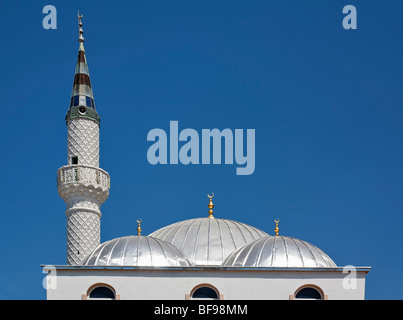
82 98
82 94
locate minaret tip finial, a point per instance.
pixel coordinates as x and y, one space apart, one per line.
139 227
210 206
276 230
80 29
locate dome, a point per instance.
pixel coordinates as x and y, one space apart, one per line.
279 251
136 251
208 241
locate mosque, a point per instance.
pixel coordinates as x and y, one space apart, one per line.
200 258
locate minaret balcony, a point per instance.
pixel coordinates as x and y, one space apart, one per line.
85 181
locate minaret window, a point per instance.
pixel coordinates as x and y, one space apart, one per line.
74 160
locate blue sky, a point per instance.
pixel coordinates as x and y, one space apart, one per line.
325 102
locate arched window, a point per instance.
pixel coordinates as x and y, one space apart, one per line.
204 291
309 293
101 292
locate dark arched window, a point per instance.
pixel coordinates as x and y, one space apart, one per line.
308 293
102 292
205 291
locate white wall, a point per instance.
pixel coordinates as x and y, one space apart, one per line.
175 284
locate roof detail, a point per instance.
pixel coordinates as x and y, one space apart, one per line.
279 251
208 241
141 251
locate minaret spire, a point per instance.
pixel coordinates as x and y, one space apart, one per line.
80 26
81 183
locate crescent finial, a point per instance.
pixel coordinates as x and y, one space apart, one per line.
210 205
276 230
139 227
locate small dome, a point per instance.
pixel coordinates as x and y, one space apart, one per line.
208 241
136 251
279 251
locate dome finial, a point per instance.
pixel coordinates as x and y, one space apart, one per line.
80 29
210 206
276 230
139 227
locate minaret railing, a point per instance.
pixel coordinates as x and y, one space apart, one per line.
83 174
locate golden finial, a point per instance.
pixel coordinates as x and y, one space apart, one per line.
210 206
138 227
276 229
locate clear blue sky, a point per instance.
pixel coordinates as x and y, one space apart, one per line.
326 104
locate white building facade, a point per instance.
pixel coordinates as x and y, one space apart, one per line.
199 258
182 283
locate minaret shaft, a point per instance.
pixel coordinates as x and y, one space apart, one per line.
83 142
83 231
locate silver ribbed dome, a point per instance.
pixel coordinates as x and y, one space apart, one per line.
136 251
279 251
208 241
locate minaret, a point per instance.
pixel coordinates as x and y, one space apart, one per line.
81 183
